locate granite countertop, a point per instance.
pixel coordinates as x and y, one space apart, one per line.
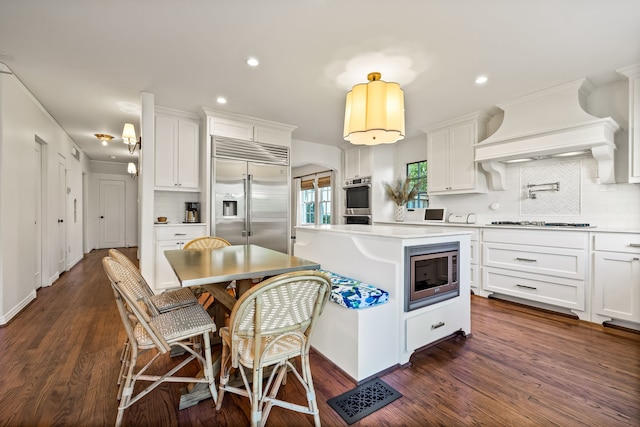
392 231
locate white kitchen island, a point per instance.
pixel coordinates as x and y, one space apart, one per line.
365 342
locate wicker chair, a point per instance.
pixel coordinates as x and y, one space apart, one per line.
187 327
207 242
163 302
270 325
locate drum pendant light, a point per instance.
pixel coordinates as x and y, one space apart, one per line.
374 112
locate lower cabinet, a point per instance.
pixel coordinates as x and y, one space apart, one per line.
616 276
169 237
538 265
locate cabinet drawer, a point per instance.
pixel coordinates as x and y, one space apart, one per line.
556 239
617 242
569 263
184 232
433 325
535 287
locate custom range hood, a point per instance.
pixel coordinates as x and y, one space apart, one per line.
548 123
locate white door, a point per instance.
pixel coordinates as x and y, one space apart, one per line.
37 167
62 207
112 213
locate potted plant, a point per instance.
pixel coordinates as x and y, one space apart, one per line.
400 193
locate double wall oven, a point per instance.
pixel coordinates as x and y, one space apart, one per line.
357 201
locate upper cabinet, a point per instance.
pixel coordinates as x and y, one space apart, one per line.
357 162
177 154
633 73
451 153
251 130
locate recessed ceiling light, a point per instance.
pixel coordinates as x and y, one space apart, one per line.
112 157
221 100
480 80
253 62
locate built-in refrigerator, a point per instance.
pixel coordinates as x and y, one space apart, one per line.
251 201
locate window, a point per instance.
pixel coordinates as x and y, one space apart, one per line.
315 200
417 173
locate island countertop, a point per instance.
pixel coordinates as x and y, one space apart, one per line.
389 231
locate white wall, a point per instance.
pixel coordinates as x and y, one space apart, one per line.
22 120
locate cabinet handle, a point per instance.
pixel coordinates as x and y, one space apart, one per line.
437 325
526 287
634 245
180 234
635 258
526 259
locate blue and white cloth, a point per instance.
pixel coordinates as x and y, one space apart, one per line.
351 293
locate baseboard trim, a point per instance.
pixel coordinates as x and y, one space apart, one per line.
18 308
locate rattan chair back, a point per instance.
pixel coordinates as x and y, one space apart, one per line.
269 325
207 242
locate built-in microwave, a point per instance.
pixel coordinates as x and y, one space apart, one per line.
357 196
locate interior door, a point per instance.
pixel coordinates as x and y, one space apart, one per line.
62 208
230 202
112 213
269 206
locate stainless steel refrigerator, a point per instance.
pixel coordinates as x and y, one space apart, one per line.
251 203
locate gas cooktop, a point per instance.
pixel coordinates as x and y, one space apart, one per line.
543 224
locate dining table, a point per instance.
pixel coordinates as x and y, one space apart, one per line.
213 269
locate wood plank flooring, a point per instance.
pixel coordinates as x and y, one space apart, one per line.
59 362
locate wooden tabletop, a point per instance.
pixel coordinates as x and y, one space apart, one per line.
206 266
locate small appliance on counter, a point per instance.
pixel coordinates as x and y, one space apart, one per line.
192 212
469 218
435 214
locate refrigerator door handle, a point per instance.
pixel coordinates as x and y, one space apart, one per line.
247 205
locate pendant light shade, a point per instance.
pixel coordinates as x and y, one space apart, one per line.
374 112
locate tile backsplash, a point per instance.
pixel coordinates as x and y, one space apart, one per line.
580 199
550 189
171 204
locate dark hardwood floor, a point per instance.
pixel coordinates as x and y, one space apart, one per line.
59 360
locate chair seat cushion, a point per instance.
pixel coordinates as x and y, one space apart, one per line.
351 293
177 325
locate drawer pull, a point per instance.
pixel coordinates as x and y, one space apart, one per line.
180 234
634 245
526 259
635 258
526 287
437 325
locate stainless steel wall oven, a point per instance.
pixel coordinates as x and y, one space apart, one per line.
431 274
357 201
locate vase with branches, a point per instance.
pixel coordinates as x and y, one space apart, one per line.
400 193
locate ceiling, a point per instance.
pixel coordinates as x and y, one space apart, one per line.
87 61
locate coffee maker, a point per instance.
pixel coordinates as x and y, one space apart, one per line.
192 212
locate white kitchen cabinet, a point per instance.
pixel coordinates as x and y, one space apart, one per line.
169 237
177 154
249 130
616 276
451 153
357 162
633 73
538 265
